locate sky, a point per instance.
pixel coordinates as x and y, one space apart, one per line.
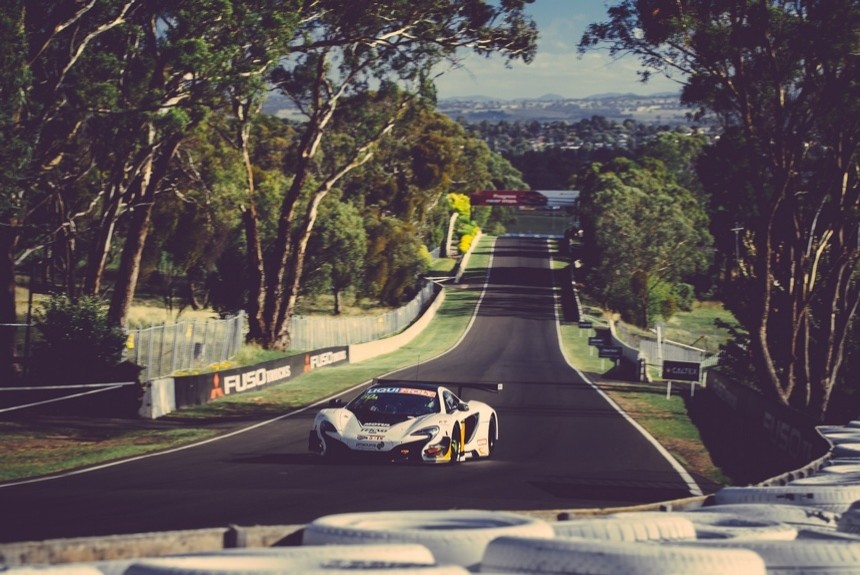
557 67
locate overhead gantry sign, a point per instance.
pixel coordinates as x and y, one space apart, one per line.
525 198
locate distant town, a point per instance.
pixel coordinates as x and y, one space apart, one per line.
582 125
664 108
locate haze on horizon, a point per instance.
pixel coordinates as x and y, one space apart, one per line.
557 68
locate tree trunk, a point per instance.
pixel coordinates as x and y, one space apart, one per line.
129 265
8 313
132 252
245 111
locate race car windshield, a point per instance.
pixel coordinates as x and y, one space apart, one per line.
405 401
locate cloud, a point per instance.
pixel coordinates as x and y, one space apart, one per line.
557 68
564 73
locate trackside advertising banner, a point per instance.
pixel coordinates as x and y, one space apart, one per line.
202 388
526 198
791 432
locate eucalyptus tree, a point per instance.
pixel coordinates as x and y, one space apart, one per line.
380 50
49 52
337 250
645 234
205 51
782 76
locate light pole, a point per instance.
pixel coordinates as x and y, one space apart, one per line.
737 229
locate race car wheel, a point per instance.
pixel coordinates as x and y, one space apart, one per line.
491 437
456 445
333 453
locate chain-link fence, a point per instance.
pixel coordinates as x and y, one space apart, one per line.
672 351
185 345
195 344
310 333
656 352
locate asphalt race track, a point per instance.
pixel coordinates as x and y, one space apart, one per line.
562 445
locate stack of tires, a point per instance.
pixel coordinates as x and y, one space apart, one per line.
810 524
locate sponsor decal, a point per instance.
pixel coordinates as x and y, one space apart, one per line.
681 370
217 391
370 437
786 437
611 352
406 391
325 358
508 198
255 378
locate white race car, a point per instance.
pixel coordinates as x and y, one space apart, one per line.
407 421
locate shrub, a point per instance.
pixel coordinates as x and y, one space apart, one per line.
78 345
465 243
685 295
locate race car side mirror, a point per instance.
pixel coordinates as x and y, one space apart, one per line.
462 406
337 402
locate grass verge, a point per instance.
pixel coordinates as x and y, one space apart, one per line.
42 445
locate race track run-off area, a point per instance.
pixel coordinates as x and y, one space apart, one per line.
562 445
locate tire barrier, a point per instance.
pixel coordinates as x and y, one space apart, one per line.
810 524
454 537
847 449
838 468
628 527
804 556
836 498
715 523
793 515
279 565
590 557
849 522
829 479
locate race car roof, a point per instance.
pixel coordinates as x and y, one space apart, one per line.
433 385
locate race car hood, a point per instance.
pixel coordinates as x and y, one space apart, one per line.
378 431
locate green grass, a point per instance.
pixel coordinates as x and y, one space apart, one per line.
28 451
698 327
41 447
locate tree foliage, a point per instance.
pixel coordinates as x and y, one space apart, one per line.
78 344
783 79
644 233
337 251
103 104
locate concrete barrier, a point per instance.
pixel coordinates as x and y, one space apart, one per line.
119 547
363 351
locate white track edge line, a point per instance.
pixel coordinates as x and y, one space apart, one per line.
694 488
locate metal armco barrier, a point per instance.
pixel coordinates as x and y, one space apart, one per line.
789 431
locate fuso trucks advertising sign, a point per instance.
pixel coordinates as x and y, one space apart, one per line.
202 388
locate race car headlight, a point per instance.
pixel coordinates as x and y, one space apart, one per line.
429 432
327 427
